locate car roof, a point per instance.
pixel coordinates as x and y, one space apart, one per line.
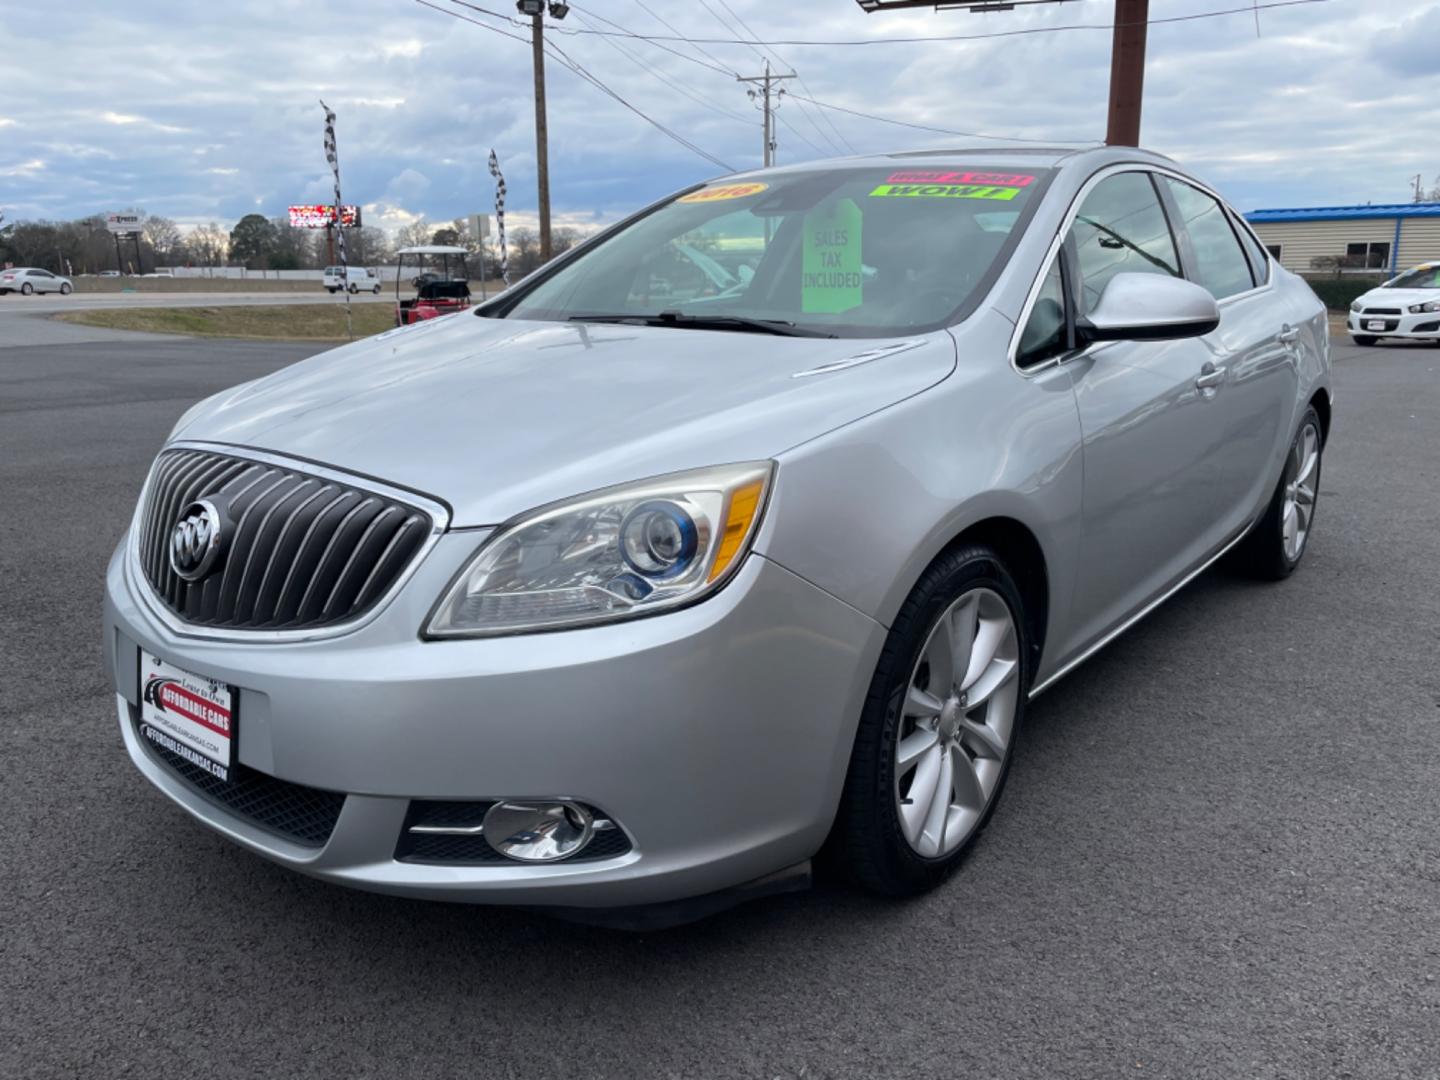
432 249
1086 158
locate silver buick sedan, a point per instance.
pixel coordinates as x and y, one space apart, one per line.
744 531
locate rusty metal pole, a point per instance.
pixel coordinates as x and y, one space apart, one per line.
1127 72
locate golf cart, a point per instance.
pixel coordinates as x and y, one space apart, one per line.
439 278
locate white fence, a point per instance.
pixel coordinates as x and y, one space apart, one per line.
239 273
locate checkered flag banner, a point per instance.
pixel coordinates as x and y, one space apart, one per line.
500 217
334 159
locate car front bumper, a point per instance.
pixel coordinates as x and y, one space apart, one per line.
1422 327
717 737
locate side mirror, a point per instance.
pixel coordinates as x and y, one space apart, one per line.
1150 307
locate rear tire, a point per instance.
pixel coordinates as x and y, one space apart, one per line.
1277 543
927 760
331 291
1363 340
27 289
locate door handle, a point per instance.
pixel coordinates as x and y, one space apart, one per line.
1289 335
1209 378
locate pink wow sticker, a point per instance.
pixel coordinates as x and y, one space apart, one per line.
934 176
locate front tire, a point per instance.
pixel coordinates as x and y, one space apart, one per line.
934 743
65 289
1363 340
331 291
1278 541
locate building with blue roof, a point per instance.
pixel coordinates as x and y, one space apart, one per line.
1381 239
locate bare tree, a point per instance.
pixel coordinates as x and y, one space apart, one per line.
416 234
209 244
163 236
371 246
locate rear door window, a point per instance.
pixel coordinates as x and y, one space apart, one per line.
1220 263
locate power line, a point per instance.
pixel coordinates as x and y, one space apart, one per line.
658 44
580 70
796 132
565 60
678 87
807 111
926 127
731 30
1248 9
703 52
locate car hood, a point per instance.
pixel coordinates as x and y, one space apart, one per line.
1400 298
497 416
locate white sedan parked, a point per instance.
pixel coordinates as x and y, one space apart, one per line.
28 279
1404 307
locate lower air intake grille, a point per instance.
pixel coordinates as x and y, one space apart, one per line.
297 551
303 815
432 848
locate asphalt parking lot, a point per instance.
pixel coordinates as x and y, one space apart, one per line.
1217 856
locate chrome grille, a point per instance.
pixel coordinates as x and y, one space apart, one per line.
301 552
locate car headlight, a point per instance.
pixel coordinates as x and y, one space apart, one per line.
1355 306
619 553
1421 309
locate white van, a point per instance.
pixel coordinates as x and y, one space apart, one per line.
361 279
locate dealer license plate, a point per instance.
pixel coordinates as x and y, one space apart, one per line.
188 714
1375 324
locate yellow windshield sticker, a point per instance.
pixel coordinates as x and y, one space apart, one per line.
948 191
724 191
831 276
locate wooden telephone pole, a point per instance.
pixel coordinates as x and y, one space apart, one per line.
765 93
1127 72
536 10
1127 56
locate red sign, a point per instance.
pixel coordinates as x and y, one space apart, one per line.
934 176
323 216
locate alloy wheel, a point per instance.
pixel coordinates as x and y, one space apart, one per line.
957 722
1302 474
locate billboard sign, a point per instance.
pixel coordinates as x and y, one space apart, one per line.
123 223
322 216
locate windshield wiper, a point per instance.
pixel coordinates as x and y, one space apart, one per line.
739 323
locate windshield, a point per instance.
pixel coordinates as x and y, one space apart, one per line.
1422 277
843 252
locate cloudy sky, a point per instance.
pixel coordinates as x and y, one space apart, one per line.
208 112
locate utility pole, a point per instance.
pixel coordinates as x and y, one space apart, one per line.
1127 56
765 94
536 10
1127 72
1419 179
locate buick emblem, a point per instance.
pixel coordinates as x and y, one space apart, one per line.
195 542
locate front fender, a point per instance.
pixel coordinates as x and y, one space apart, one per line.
862 511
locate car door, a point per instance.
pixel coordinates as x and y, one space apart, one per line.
42 281
1151 418
1253 350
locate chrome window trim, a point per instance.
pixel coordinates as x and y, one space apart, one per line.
141 588
1068 220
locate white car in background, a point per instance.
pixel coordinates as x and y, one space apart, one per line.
1404 307
29 279
359 278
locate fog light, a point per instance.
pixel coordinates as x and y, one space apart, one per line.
538 831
